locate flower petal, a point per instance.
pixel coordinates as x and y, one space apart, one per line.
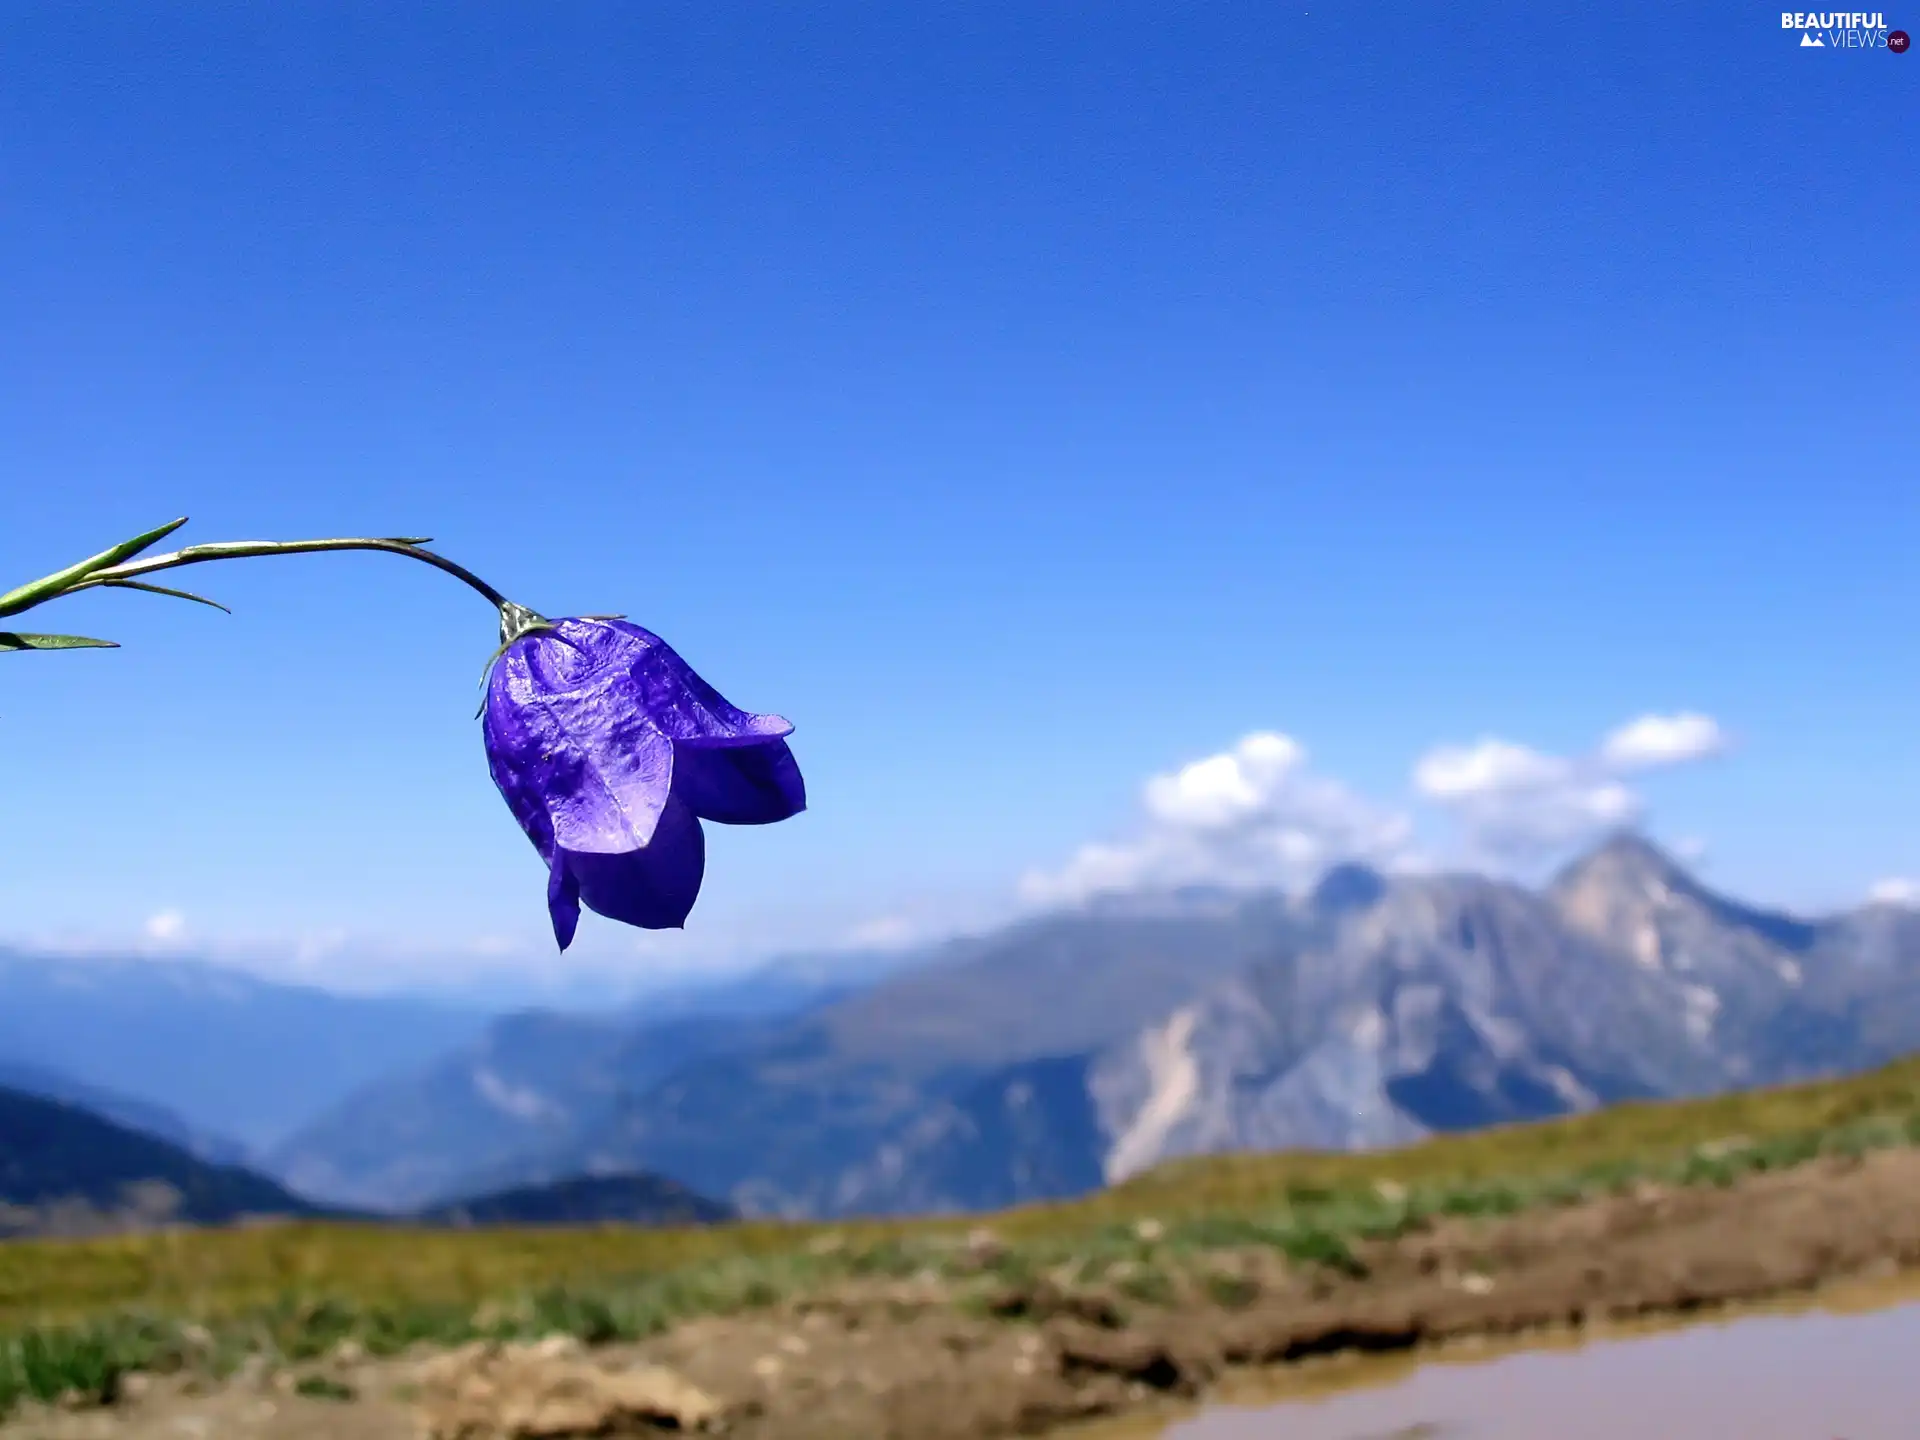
654 887
563 900
568 727
683 705
523 798
739 784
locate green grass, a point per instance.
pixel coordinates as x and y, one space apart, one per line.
77 1315
320 1387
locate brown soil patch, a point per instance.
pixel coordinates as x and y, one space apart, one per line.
902 1362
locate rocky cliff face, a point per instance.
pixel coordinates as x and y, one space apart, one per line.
1447 1004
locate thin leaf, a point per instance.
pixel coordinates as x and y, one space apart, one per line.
164 590
12 640
29 595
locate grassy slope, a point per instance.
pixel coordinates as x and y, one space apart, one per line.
74 1313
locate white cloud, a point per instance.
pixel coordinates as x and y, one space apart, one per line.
1222 790
168 927
1653 741
886 932
1252 816
318 948
1518 805
1490 767
1894 892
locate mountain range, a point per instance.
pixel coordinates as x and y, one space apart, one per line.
537 1083
1038 1061
67 1171
125 1110
1077 1048
124 1082
236 1061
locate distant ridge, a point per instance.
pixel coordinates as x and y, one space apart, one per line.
155 1120
67 1171
586 1200
229 1054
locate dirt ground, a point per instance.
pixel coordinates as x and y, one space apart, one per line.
901 1362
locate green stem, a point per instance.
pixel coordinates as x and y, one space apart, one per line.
243 549
117 567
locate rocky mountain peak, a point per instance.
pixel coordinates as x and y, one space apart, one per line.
1347 888
1633 896
1626 859
1621 892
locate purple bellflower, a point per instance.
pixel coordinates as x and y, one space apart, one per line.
610 751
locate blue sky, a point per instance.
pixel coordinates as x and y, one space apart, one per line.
1026 401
